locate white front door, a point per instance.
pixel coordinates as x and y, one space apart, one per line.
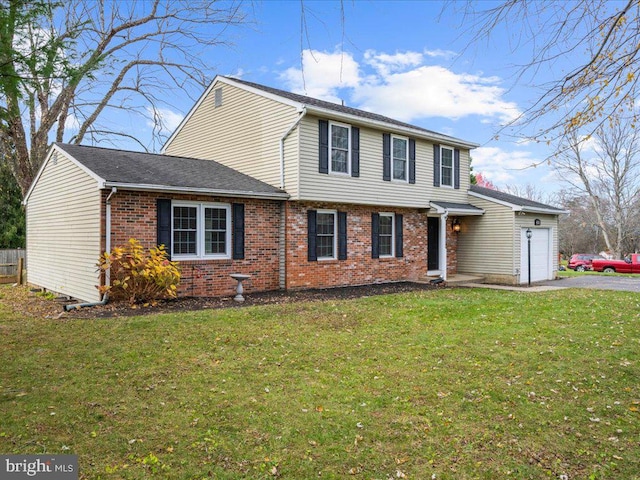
540 255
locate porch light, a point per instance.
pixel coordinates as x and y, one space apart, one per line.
455 225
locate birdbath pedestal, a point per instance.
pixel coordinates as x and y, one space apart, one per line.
239 277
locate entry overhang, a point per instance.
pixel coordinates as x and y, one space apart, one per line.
456 209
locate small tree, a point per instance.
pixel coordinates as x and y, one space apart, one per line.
139 276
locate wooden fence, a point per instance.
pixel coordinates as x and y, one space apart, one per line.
12 265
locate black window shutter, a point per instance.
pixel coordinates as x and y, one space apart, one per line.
375 231
312 255
163 207
323 166
355 152
386 157
436 165
399 237
238 231
412 160
456 168
342 235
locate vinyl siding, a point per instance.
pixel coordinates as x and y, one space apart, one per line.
486 244
369 188
63 231
243 133
447 194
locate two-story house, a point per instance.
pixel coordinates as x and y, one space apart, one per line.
294 191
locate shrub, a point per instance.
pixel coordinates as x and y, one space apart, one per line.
139 276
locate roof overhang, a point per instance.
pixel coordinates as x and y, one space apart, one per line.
431 137
520 208
204 191
457 209
54 150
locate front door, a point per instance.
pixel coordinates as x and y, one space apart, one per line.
433 243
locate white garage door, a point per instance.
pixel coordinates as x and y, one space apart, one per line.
540 255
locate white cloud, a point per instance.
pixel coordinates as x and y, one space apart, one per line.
440 53
324 74
165 117
384 63
503 167
434 91
401 86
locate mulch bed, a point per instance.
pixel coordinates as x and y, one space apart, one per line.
26 302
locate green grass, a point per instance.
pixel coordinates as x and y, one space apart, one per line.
453 383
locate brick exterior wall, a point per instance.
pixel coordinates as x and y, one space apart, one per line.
133 214
452 249
359 268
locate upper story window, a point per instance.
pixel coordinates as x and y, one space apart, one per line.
446 166
399 158
340 147
201 230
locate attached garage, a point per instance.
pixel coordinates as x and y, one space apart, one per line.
495 245
536 246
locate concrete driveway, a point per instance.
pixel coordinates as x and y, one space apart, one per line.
598 282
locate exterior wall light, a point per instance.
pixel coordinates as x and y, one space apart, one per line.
455 225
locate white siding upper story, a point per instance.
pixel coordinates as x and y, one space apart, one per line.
242 132
63 224
244 129
369 188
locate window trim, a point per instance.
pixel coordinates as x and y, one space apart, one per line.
348 158
406 160
442 167
391 215
200 231
335 234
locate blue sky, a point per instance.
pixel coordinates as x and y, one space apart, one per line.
404 59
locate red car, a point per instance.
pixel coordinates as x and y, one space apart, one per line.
582 261
630 264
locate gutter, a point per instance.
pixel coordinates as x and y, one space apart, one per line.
107 274
303 112
207 191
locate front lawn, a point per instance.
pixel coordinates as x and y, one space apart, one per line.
451 383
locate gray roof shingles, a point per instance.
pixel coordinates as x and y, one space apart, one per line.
457 206
512 199
138 168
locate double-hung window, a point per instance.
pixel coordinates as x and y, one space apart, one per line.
326 226
201 230
446 166
386 235
340 148
400 147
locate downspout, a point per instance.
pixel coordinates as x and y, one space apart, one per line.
283 207
107 274
303 112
